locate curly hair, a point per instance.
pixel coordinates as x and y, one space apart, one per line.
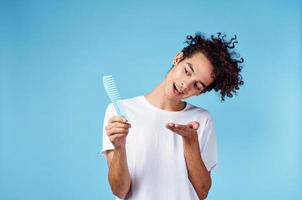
227 67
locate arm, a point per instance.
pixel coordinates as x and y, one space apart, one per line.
197 172
118 175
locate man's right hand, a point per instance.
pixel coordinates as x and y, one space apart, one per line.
117 129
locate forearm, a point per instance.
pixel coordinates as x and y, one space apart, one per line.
119 177
197 171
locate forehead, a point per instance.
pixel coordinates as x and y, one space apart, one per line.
200 60
201 65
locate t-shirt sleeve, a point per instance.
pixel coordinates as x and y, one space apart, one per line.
106 143
208 144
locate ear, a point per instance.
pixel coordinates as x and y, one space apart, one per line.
178 57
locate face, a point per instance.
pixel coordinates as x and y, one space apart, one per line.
189 76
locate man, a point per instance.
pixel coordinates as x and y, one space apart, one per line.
166 148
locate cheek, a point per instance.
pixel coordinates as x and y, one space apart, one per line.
177 72
171 76
174 76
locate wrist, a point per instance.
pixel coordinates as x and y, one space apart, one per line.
120 149
190 140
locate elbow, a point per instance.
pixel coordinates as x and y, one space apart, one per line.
205 190
120 191
122 194
119 194
203 195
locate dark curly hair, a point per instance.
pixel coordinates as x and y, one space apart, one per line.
227 67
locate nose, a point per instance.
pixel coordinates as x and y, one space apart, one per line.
183 86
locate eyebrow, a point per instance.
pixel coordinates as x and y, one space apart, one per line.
191 67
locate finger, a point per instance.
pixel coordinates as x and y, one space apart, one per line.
178 128
117 125
173 128
117 131
191 125
181 129
194 125
122 125
117 119
175 125
117 136
111 134
170 126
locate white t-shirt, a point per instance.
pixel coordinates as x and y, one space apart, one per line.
155 154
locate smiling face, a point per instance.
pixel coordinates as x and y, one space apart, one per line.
189 76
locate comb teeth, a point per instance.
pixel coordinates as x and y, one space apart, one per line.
111 88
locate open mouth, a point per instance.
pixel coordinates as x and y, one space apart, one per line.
176 90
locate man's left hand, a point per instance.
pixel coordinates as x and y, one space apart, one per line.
187 131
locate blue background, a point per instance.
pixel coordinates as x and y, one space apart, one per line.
54 53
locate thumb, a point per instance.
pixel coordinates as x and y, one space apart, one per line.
194 125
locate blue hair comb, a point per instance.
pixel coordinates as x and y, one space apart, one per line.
113 94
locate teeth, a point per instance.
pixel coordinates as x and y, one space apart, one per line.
178 89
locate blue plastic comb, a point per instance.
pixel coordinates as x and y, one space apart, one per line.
113 94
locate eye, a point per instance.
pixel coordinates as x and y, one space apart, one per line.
187 72
198 87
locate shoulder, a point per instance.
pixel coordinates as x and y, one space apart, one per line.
200 111
131 99
124 105
125 101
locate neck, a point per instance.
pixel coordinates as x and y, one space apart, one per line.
158 98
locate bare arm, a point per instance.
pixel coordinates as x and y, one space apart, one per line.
118 174
197 171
